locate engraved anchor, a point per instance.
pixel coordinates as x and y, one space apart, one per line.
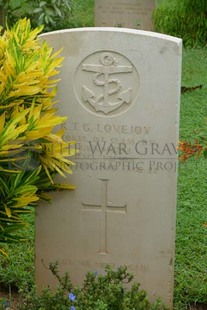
102 78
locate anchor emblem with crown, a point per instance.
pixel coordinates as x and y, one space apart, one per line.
112 87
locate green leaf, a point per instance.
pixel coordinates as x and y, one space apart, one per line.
37 10
42 3
58 11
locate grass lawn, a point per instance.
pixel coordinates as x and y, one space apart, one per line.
191 240
83 14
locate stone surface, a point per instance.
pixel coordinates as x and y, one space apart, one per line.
135 14
120 90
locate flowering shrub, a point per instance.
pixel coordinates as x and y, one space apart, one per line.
98 292
31 150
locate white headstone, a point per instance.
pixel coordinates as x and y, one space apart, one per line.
120 90
135 14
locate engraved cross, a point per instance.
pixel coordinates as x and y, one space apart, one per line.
104 207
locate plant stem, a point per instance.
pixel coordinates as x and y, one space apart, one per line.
10 296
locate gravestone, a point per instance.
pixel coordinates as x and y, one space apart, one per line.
120 89
135 14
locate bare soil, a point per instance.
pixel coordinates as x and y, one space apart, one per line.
197 306
11 303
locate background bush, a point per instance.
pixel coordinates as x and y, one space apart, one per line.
186 19
52 13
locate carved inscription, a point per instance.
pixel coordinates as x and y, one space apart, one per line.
97 265
105 83
120 147
128 14
104 207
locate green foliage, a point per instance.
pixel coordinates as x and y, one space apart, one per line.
100 292
186 19
3 3
82 14
17 268
51 13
